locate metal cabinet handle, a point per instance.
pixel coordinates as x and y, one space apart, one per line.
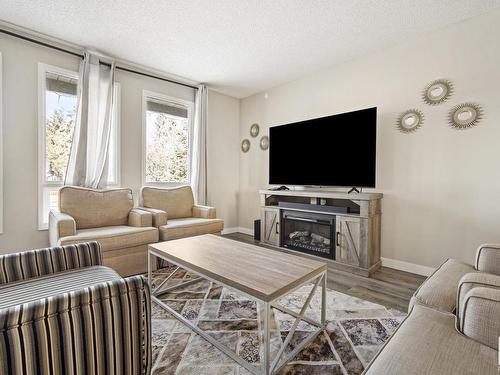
277 227
338 239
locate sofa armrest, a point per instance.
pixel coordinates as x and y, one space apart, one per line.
159 216
35 263
204 212
99 342
60 225
488 258
140 218
474 280
479 316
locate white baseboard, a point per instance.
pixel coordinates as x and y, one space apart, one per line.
238 230
407 267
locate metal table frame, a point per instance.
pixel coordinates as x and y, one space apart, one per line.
269 366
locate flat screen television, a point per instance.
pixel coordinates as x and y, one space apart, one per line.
338 150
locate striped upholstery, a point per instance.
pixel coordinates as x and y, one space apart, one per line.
102 328
20 292
34 263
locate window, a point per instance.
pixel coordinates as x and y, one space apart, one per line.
57 115
167 139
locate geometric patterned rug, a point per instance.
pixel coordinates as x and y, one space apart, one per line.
356 330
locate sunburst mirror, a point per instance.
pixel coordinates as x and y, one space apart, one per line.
254 130
465 115
264 142
245 145
410 120
437 92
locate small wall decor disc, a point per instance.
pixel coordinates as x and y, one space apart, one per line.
410 120
465 115
437 92
264 143
245 145
254 130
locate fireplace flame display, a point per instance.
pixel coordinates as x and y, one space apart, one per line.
309 233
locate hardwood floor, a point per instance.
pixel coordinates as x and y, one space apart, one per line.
389 287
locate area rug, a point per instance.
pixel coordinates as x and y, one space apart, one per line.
355 332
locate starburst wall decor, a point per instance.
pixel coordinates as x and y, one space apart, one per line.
437 92
410 120
465 115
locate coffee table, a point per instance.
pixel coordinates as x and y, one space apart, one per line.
260 274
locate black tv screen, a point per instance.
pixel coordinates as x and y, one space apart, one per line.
338 150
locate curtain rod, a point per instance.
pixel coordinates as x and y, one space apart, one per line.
28 39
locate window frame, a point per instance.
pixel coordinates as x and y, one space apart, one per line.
43 69
146 94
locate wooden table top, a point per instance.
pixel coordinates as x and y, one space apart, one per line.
259 272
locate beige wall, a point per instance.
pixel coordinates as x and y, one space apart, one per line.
20 64
441 186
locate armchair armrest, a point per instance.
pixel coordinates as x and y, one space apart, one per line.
60 225
479 316
35 263
159 216
204 212
140 218
99 343
488 258
474 280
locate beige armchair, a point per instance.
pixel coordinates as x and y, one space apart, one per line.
108 217
176 215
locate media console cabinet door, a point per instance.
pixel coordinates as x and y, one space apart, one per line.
270 226
348 240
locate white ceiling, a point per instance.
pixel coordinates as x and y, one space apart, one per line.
239 47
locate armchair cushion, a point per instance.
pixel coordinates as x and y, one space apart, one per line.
93 208
115 237
35 263
20 292
488 258
473 280
159 216
204 212
140 218
439 291
186 227
480 316
176 202
60 225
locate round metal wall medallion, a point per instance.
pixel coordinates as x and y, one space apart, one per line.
245 145
437 92
254 130
465 115
410 120
264 142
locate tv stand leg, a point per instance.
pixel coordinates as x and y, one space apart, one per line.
353 190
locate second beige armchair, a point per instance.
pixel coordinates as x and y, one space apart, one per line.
176 215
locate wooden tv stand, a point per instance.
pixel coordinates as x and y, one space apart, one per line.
357 230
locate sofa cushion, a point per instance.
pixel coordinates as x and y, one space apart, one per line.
187 227
428 343
115 237
96 208
176 202
20 292
439 291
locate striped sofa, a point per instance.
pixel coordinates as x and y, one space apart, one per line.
62 312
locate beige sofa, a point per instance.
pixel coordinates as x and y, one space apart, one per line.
106 216
453 325
175 214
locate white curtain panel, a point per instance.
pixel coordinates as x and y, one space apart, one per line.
88 161
199 152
